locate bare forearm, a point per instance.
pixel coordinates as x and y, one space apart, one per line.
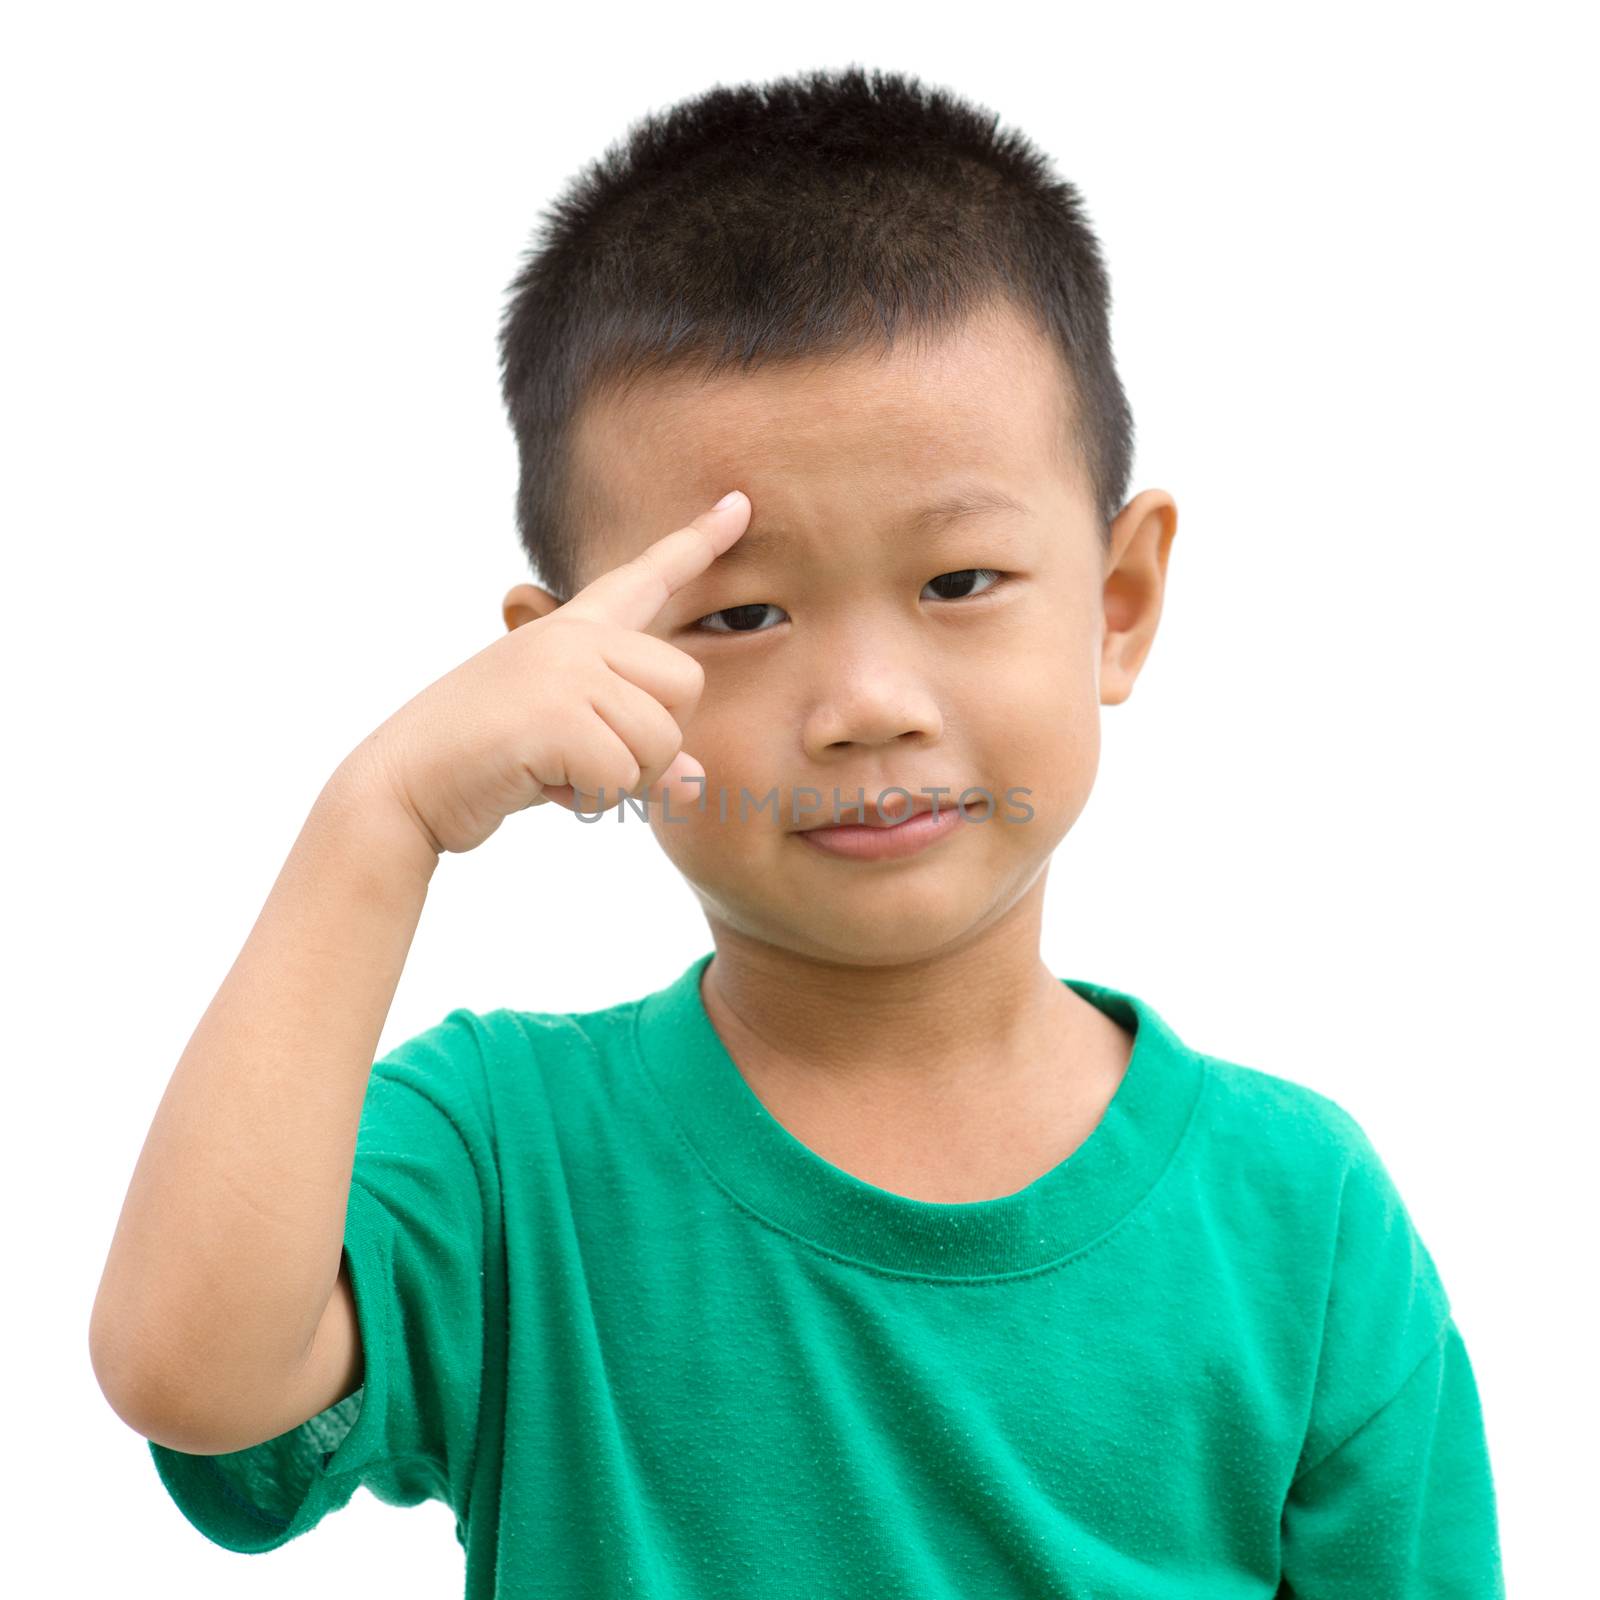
228 1246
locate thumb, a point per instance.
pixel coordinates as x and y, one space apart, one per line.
682 784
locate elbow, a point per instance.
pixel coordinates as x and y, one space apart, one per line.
134 1388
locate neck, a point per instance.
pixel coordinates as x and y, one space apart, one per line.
963 1018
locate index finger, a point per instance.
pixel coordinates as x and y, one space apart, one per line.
633 593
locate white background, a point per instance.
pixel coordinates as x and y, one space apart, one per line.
259 490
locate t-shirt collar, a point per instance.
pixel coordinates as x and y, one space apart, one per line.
765 1170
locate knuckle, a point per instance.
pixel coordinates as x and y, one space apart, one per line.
650 564
661 746
607 767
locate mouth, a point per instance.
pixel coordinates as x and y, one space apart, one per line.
891 840
870 816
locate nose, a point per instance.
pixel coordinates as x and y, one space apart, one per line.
866 704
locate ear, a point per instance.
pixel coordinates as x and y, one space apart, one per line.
526 603
1136 576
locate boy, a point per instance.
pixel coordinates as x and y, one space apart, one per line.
866 1258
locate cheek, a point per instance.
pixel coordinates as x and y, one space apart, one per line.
705 825
720 738
1044 735
709 852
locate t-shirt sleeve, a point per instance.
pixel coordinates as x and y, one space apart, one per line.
419 1237
1405 1507
1393 1493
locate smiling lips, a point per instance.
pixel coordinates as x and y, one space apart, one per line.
883 838
871 817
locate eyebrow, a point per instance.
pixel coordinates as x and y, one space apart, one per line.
759 544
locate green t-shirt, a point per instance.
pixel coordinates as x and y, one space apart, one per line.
645 1342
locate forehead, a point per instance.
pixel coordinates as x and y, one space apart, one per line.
983 403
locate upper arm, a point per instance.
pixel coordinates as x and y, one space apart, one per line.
333 1366
387 1391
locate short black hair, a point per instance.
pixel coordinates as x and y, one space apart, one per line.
803 218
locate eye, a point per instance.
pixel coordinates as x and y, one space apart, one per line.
739 619
747 619
964 578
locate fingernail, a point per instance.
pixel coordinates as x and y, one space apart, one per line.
726 501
